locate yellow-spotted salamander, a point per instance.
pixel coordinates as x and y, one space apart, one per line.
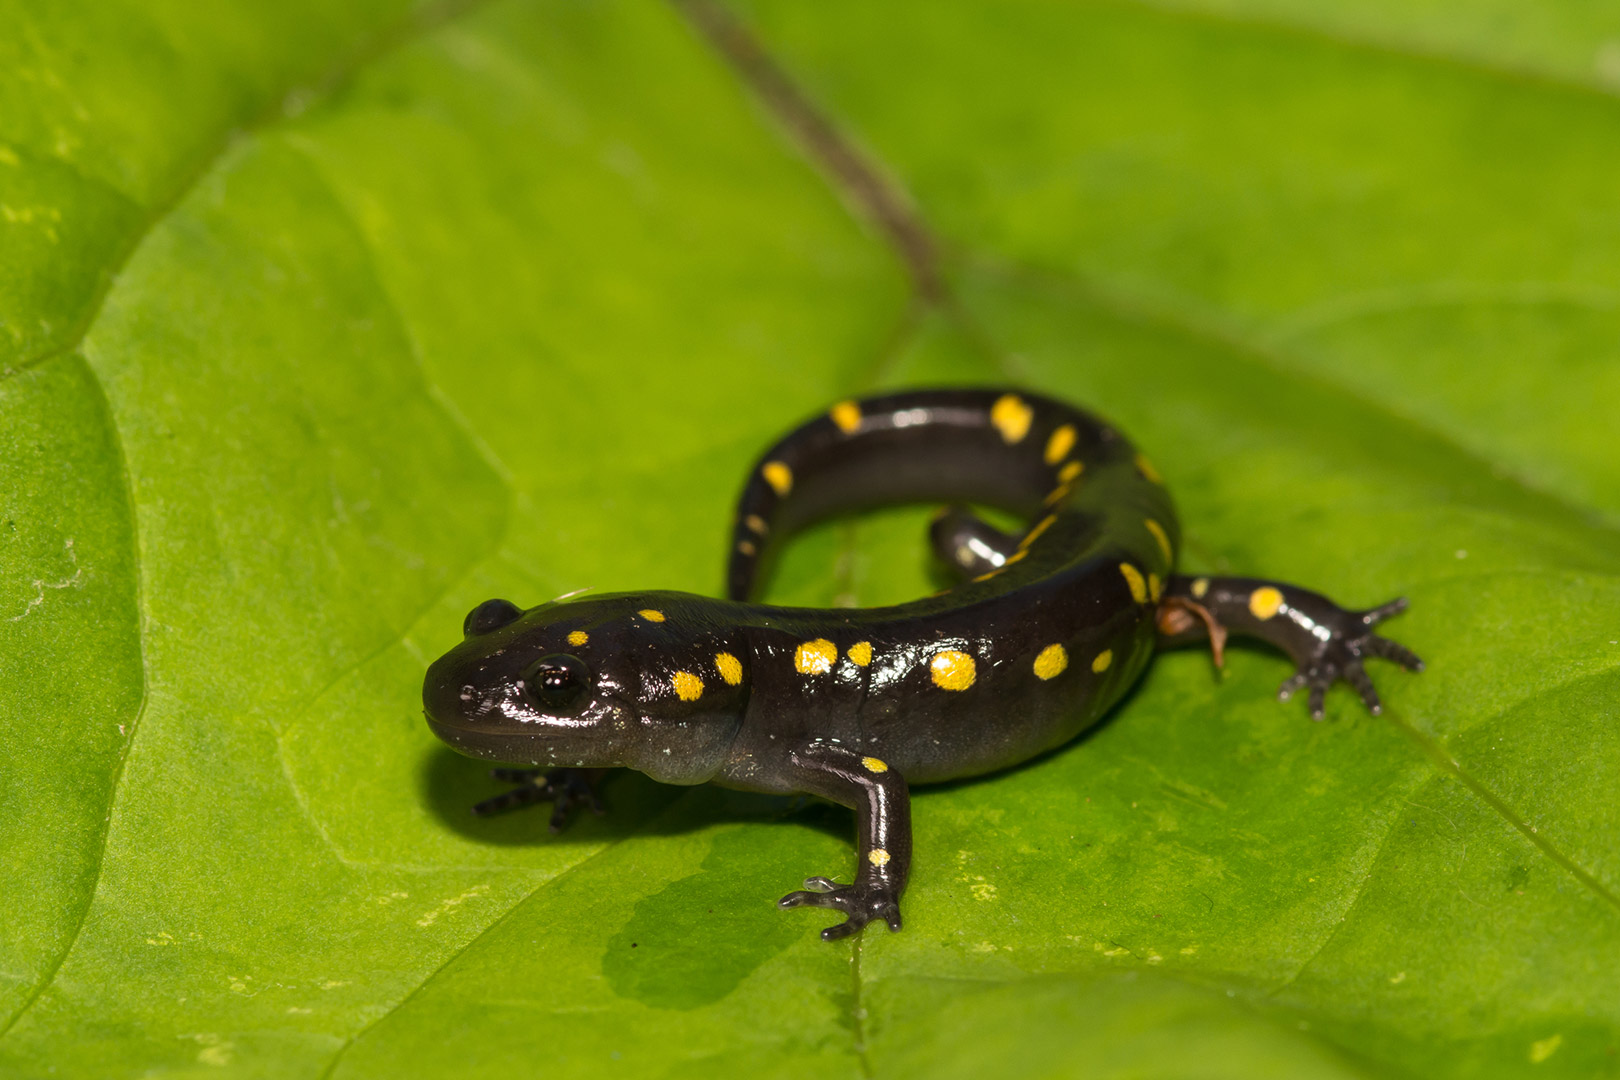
1048 628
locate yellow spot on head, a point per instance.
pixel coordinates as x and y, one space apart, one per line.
1070 472
1011 416
1133 578
1265 602
1035 533
730 668
1061 442
1200 587
757 523
1102 660
1051 662
688 687
578 637
878 857
860 653
651 614
847 415
1155 586
747 547
1145 467
1164 541
779 476
815 657
952 670
875 765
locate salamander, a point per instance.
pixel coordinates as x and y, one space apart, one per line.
1046 629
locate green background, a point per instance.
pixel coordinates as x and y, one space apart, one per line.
320 323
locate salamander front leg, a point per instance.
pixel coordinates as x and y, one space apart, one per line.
877 794
562 788
1327 642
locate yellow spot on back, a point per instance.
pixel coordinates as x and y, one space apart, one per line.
1069 472
1164 541
815 657
1540 1050
1102 660
952 670
991 574
875 765
578 637
730 668
747 547
878 857
1133 578
1011 416
1051 662
688 687
1058 494
1014 557
1265 602
1200 587
1061 442
779 476
757 523
1145 467
1035 533
847 415
1154 587
860 653
651 614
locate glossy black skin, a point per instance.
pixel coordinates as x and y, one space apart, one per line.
800 711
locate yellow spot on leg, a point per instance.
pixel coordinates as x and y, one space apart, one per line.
1035 533
779 476
1051 662
847 415
952 670
578 637
860 653
815 657
1102 660
1200 587
874 765
1011 416
730 668
1070 472
1265 602
1164 541
1133 578
651 614
1061 442
688 687
878 857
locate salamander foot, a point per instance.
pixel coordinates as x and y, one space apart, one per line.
564 789
1349 641
862 902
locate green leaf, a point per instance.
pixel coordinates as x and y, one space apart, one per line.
323 323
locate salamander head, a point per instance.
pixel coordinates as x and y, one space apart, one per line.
653 681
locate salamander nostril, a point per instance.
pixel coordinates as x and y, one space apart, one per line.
490 615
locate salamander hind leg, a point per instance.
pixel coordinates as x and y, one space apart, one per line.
564 789
968 544
882 807
1326 642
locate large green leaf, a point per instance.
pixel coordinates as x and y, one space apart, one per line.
324 322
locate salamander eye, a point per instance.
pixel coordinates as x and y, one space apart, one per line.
490 615
557 683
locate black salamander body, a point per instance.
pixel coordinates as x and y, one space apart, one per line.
1048 628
